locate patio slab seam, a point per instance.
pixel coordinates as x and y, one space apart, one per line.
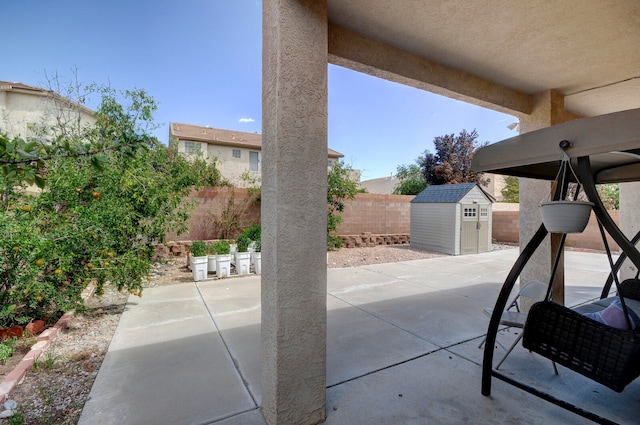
232 415
382 319
244 380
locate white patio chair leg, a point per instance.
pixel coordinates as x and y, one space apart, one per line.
497 342
510 350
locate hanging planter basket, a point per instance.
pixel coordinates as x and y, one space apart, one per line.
565 216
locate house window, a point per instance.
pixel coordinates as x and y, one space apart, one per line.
254 161
484 212
235 153
192 147
329 163
470 212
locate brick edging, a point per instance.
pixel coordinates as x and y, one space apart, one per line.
45 339
367 239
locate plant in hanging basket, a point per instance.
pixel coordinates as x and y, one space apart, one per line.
565 216
560 215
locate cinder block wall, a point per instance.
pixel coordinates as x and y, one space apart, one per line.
506 229
371 214
376 214
505 226
213 200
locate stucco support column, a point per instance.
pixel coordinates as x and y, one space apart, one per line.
629 221
294 211
548 110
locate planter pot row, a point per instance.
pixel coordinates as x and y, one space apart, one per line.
221 264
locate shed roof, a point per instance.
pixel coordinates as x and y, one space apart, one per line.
447 193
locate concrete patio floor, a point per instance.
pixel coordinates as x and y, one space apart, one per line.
402 348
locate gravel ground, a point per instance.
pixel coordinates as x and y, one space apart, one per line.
55 391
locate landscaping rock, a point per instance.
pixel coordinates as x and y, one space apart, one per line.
34 328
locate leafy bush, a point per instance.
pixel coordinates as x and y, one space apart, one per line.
222 247
243 242
96 220
210 249
6 349
340 187
254 233
198 249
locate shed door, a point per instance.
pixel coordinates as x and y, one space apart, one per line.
469 231
483 227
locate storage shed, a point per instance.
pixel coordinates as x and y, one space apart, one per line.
452 218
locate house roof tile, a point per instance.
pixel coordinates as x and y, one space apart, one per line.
218 136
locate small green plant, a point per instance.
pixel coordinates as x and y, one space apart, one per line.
210 249
7 348
222 247
243 242
17 418
254 233
47 395
198 249
49 362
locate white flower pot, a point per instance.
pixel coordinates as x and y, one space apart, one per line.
211 263
223 265
565 216
199 268
257 262
243 263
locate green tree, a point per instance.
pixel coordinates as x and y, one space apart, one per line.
511 190
452 161
610 195
111 194
340 187
411 179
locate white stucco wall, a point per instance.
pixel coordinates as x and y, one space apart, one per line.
23 113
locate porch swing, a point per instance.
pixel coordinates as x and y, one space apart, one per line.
579 338
605 149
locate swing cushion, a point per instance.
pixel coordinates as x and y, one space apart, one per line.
613 316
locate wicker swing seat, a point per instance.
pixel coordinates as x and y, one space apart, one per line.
607 355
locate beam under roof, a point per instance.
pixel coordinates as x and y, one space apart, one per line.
355 51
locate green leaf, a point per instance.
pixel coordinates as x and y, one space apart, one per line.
30 146
40 182
97 164
24 154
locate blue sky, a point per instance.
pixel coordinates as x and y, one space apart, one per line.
201 60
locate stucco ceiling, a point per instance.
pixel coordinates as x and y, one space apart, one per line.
588 50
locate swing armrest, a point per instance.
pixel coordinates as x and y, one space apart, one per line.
630 288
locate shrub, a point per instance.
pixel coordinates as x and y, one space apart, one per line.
111 194
243 242
254 233
6 349
198 249
222 247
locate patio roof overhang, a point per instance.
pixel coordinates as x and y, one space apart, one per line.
497 54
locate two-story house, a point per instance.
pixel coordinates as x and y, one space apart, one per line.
236 152
30 111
